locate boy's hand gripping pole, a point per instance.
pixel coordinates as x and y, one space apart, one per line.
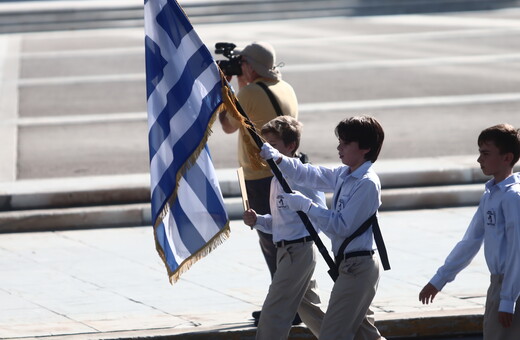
333 270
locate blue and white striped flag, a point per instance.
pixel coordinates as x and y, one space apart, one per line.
184 96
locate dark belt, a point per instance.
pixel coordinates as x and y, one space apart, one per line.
354 254
299 240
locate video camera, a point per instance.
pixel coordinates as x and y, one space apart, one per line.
232 66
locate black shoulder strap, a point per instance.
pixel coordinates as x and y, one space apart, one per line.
303 157
378 237
362 228
381 248
271 96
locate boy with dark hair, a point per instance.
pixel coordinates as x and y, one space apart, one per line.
292 288
496 223
357 196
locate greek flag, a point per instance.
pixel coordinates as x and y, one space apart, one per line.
184 96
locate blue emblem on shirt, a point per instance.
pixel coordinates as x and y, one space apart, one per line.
491 217
341 204
280 203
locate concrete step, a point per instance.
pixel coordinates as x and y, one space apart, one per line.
139 214
124 200
35 16
113 216
462 324
404 174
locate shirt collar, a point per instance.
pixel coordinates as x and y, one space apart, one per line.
359 172
506 183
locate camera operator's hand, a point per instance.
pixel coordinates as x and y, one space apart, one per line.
227 127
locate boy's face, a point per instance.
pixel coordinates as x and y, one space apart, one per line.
277 143
351 155
492 162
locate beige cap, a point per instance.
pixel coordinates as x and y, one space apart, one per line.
261 56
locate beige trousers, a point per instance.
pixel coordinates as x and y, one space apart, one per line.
292 289
493 329
349 316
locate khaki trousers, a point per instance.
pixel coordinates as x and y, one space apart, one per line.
493 329
348 316
291 290
258 191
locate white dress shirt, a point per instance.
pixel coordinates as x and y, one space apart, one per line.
284 223
497 224
357 196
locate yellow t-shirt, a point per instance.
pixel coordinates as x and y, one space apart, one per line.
260 110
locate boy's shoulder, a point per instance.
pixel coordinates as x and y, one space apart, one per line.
371 173
370 177
511 196
513 192
512 185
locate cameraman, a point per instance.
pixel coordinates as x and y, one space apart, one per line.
258 65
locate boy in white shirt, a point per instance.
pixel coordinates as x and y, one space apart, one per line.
357 196
496 223
292 288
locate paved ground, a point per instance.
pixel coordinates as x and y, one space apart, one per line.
106 282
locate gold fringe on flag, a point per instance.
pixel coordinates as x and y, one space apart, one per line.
230 99
228 105
216 240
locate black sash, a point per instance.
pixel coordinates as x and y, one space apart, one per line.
378 237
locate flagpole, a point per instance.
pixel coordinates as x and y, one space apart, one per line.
333 271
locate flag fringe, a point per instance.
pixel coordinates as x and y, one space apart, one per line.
215 241
223 234
189 163
256 162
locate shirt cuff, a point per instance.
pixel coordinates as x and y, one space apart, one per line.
261 221
507 306
284 163
438 282
315 210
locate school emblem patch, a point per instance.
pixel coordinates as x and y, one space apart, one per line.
491 217
280 202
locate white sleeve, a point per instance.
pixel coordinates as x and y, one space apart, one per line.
264 223
316 177
511 284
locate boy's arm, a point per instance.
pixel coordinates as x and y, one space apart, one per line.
260 222
463 252
360 206
319 178
356 208
510 291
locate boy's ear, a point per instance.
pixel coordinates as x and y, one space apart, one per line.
292 147
508 157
